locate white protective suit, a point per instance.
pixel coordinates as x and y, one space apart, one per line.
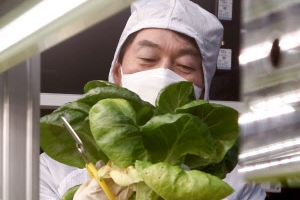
182 16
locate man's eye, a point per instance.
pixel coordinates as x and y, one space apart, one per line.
149 60
186 68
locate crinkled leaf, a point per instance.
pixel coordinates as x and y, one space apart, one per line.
172 182
97 84
144 110
121 176
132 197
113 124
222 122
174 96
70 193
57 142
228 163
143 191
169 137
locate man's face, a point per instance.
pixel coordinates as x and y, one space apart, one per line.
161 48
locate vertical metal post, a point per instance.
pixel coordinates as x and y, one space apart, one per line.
19 131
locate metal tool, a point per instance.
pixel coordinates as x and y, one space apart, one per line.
90 167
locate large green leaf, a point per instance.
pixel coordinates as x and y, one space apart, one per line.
97 84
174 96
113 124
143 109
222 122
70 193
172 182
169 137
57 142
143 191
228 163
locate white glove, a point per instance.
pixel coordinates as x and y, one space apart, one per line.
91 190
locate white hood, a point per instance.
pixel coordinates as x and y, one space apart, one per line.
182 16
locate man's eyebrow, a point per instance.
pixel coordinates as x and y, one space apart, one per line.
184 51
147 43
189 51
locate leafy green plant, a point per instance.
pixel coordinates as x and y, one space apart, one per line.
117 126
70 193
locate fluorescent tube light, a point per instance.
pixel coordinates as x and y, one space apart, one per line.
264 114
269 164
276 101
259 51
271 148
255 52
37 17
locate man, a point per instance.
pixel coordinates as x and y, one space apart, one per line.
164 41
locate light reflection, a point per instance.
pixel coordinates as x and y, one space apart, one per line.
255 167
270 148
37 17
255 52
276 101
264 114
290 41
262 50
271 107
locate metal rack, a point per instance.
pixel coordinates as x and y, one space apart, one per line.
20 92
19 133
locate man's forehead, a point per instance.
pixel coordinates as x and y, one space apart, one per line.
157 37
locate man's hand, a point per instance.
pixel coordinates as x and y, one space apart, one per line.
91 190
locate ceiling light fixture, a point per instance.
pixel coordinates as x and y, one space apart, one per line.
34 19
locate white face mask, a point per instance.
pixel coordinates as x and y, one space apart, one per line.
147 84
